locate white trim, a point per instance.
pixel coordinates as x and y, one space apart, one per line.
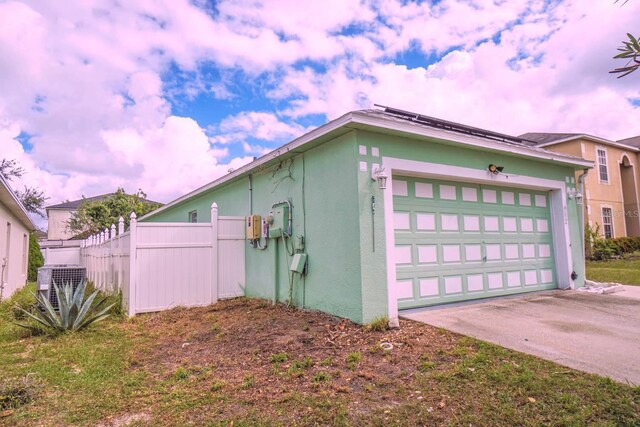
18 208
359 120
474 141
262 161
557 202
592 139
597 162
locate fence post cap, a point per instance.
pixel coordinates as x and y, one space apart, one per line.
133 215
113 226
120 219
214 205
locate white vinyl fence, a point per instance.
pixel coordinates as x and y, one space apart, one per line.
162 265
59 256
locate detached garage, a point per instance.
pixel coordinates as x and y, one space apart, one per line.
382 210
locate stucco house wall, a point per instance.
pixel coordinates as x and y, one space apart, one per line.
15 227
598 194
58 219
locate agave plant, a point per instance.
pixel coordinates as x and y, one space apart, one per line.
74 311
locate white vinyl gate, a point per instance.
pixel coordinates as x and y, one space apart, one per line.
162 265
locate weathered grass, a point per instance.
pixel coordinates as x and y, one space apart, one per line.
622 271
91 376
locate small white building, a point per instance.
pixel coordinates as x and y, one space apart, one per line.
15 226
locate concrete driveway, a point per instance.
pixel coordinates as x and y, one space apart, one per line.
589 332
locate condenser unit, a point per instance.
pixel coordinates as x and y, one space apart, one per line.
60 275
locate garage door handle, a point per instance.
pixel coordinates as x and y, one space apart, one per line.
483 252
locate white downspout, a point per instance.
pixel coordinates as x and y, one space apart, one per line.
581 185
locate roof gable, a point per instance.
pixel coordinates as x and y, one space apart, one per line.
9 199
545 139
393 121
75 204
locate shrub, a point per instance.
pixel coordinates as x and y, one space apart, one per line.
20 301
36 260
598 248
74 311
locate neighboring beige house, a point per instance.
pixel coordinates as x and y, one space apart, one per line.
58 233
611 188
15 226
59 216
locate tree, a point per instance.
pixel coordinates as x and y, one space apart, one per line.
631 51
32 199
36 259
9 169
94 216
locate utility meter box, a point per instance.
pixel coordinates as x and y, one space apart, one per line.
280 225
299 263
254 227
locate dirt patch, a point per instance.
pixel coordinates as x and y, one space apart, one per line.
247 362
262 353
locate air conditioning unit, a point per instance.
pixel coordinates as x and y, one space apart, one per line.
60 275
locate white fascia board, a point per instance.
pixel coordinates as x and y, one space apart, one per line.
358 118
417 129
16 206
272 155
593 139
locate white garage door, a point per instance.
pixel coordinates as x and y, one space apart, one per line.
458 241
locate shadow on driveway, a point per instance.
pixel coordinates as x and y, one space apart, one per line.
592 333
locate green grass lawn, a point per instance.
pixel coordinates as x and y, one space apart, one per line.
245 362
622 271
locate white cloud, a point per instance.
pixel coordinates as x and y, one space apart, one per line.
256 150
549 73
260 125
84 78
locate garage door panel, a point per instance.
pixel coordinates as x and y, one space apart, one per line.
459 241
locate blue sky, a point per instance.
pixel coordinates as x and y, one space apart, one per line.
168 95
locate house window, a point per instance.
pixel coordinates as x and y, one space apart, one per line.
25 242
603 171
193 216
607 222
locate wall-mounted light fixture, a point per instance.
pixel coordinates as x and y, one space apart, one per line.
495 169
379 174
573 193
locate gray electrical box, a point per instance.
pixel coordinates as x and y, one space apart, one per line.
299 263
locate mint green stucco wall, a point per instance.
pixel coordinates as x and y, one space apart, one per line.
326 216
331 201
373 263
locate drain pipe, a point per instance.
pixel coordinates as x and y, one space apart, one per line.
4 266
581 186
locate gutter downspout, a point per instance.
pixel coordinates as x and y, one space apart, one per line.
581 185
